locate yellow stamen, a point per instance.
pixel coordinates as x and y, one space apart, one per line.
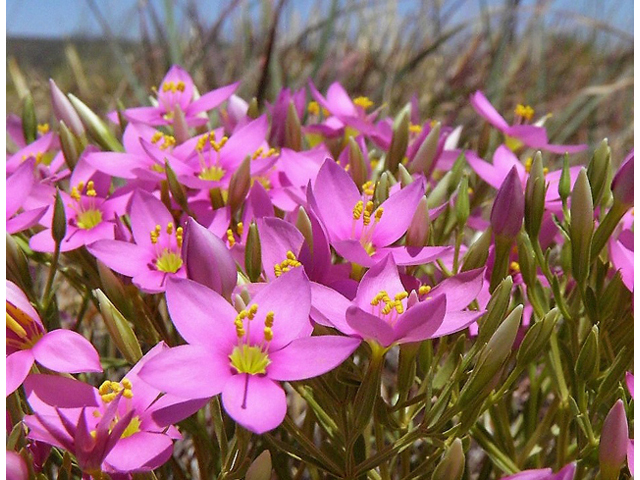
240 228
514 266
90 190
357 210
43 128
413 128
313 108
156 137
363 102
424 289
368 209
170 228
379 213
368 188
168 261
524 111
230 238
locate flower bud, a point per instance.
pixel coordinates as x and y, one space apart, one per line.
260 469
303 224
536 338
425 157
176 188
478 252
526 259
613 442
462 202
29 120
496 309
564 184
581 228
534 197
381 192
208 260
96 127
253 111
404 176
215 196
59 223
292 129
17 266
357 167
622 184
119 329
420 226
399 141
588 363
508 207
599 170
253 254
180 127
239 185
451 467
71 148
64 111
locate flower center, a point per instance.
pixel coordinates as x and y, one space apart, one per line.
249 359
214 173
89 218
133 427
168 261
524 111
25 328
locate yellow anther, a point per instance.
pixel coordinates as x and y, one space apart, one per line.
156 137
357 210
363 102
179 235
169 228
257 153
545 170
527 164
291 255
368 209
268 334
277 270
424 289
180 86
374 164
169 141
368 188
387 308
75 194
126 383
313 108
401 295
168 116
514 266
252 311
524 111
127 394
104 388
109 397
347 168
381 295
230 238
90 190
413 128
268 321
399 307
470 191
240 228
93 434
43 128
379 213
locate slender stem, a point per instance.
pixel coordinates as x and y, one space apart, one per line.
46 296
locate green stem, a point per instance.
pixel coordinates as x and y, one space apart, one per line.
46 296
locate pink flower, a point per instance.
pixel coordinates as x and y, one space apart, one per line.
566 473
19 186
244 355
507 213
28 341
532 136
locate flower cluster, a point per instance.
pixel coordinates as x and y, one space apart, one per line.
314 258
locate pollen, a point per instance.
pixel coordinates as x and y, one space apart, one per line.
240 228
368 210
363 102
230 238
43 128
514 267
109 390
413 128
89 219
368 188
91 192
313 108
527 164
168 261
173 87
524 111
424 289
286 265
249 359
378 214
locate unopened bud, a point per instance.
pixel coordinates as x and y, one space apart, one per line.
216 198
71 147
581 228
239 185
381 192
420 226
536 338
175 187
404 176
526 259
303 224
253 111
599 171
534 197
59 223
180 127
96 127
508 207
564 185
293 129
253 254
64 111
451 467
496 309
424 160
260 469
399 141
613 442
462 202
478 252
119 329
588 363
29 120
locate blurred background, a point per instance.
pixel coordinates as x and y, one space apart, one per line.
571 58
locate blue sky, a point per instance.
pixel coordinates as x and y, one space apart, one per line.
62 18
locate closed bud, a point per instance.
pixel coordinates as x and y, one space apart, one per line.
496 309
357 167
451 467
613 442
507 213
180 127
424 160
17 266
622 185
292 129
303 224
404 176
526 259
260 469
420 226
588 363
64 111
119 329
462 202
381 192
478 252
71 147
253 254
59 223
253 111
29 120
581 228
534 197
399 141
536 338
564 185
216 198
599 170
239 185
96 127
175 187
208 260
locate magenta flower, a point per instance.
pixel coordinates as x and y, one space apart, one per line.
147 439
19 186
614 441
622 184
361 232
519 134
16 467
507 213
244 355
566 473
621 255
176 90
629 382
157 252
28 341
383 311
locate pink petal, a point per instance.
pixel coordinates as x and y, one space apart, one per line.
16 467
211 100
398 213
66 351
370 326
18 299
142 451
382 276
309 357
456 321
629 381
412 255
18 366
25 220
123 257
481 104
19 186
118 164
339 102
44 392
329 308
188 371
147 212
257 403
170 409
277 237
353 251
421 321
147 115
461 289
